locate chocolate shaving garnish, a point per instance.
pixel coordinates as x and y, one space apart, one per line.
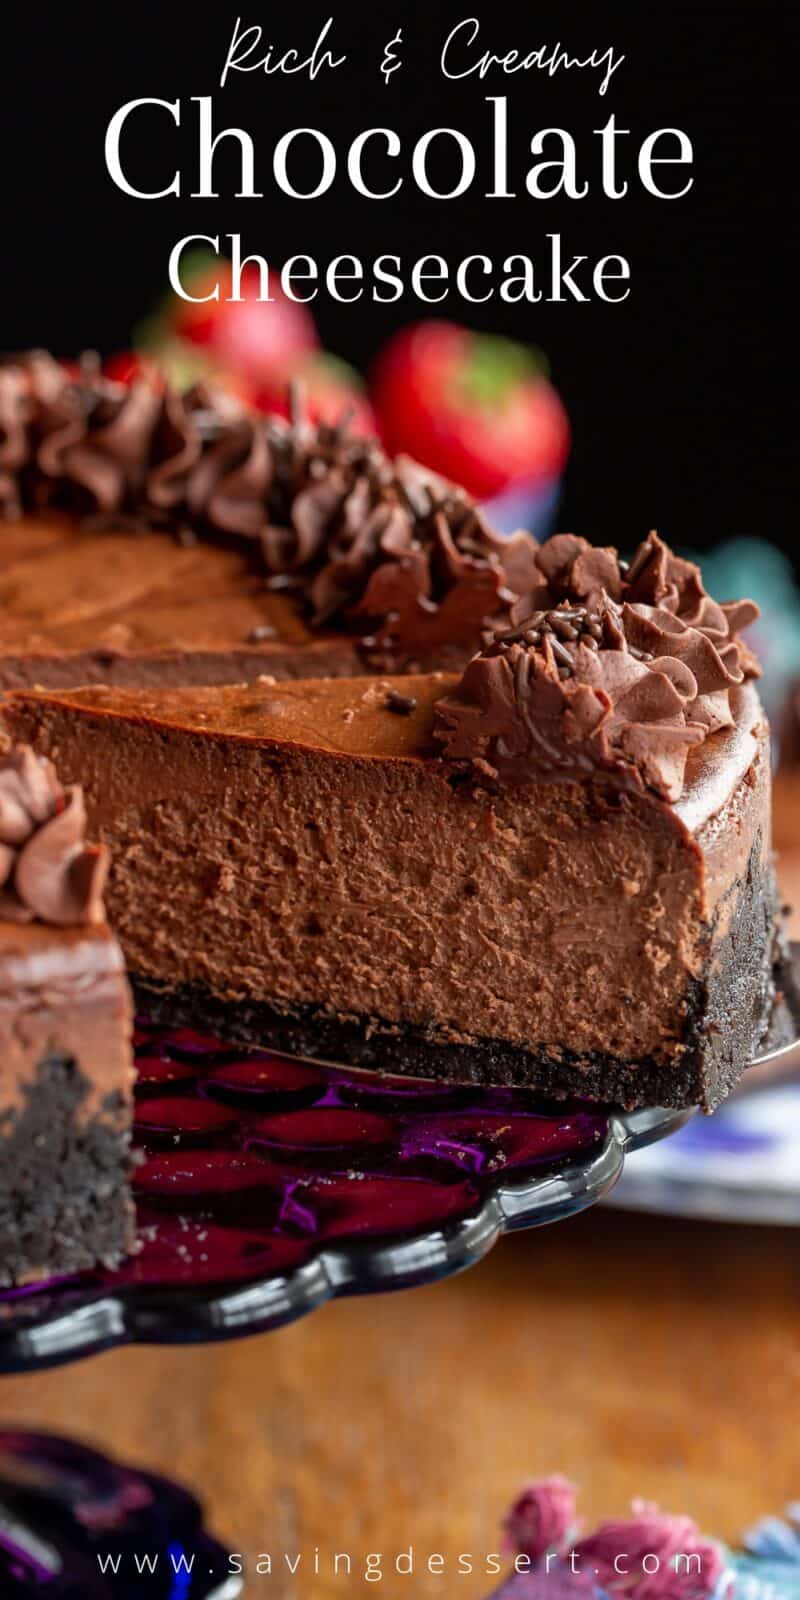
47 870
606 670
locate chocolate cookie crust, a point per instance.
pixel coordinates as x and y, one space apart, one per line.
60 1174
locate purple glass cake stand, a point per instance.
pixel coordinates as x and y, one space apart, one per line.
75 1525
268 1184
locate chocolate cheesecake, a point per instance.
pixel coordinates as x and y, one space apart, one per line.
158 539
66 1066
553 870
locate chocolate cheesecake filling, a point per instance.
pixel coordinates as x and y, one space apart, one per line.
299 862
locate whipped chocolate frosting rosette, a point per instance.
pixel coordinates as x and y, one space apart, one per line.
382 548
47 870
607 668
85 443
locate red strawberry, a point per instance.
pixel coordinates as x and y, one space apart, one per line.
475 408
331 390
255 337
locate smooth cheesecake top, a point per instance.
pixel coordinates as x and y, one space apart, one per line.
82 604
67 589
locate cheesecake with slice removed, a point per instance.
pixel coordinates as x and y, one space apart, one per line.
552 870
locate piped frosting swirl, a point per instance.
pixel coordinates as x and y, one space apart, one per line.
88 444
607 669
47 870
384 549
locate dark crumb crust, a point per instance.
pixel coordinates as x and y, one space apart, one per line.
64 1183
726 1016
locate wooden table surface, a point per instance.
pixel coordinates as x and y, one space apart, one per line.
639 1356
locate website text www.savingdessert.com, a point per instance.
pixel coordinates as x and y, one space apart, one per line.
374 1566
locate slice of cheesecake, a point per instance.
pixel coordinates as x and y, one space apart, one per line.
66 1062
553 871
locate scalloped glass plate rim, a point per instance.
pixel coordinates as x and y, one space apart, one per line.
100 1320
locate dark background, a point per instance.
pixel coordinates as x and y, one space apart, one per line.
682 398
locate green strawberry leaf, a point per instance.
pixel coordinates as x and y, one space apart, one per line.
495 367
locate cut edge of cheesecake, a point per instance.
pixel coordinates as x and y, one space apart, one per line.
390 717
364 749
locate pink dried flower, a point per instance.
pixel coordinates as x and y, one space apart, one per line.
651 1557
542 1519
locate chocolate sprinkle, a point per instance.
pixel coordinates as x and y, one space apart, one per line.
563 625
401 704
